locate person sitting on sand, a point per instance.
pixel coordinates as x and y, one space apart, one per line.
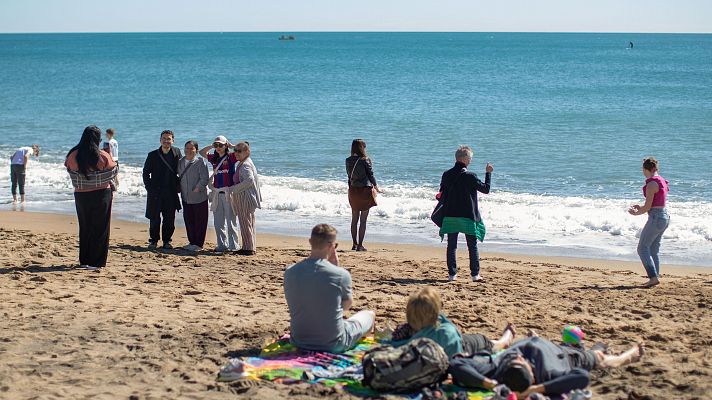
318 293
536 365
425 319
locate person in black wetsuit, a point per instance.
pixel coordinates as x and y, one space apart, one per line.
536 365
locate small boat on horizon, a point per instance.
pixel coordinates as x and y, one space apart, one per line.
287 37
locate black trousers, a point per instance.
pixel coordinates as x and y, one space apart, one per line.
168 212
17 178
94 215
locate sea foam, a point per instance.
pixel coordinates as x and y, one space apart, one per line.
516 222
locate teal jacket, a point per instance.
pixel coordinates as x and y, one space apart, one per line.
445 333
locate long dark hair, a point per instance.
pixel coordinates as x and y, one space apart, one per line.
358 147
88 149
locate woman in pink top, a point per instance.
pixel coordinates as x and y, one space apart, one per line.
655 192
93 174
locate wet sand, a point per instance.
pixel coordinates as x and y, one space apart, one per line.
159 324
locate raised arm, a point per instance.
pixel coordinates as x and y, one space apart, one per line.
204 151
483 187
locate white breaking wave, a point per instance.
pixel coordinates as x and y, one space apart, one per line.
520 222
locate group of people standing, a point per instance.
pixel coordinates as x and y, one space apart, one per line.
233 197
460 208
173 181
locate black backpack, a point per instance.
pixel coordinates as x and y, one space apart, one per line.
418 363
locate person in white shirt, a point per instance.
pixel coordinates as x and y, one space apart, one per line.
18 166
111 146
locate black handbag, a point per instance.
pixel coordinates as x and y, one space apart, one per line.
438 214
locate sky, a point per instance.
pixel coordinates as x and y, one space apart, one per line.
693 16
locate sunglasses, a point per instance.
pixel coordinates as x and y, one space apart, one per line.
218 145
240 151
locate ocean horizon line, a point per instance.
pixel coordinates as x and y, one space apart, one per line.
364 31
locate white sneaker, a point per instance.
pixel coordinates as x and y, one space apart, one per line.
477 278
451 278
88 267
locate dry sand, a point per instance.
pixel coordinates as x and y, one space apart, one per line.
159 324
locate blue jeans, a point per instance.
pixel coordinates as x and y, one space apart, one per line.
452 251
649 243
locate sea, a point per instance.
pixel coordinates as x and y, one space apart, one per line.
565 118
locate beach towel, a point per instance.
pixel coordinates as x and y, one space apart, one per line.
281 362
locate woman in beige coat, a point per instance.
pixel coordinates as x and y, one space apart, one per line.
246 197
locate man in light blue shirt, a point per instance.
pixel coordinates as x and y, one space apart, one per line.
318 292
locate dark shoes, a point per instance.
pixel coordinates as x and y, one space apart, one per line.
243 252
167 245
152 245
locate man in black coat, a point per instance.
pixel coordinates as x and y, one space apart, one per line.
458 188
161 181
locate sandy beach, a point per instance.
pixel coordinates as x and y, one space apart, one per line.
159 324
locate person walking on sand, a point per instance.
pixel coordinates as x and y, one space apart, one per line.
318 293
246 198
92 172
655 192
193 178
160 177
18 167
362 191
223 162
458 191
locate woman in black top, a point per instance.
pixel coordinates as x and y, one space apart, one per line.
362 190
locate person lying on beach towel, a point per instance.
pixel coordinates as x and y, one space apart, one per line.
318 293
536 365
425 319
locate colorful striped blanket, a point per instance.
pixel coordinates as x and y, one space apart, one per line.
282 362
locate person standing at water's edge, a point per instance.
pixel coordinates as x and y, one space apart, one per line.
160 178
362 191
92 172
18 167
458 190
111 146
246 198
193 177
655 192
223 162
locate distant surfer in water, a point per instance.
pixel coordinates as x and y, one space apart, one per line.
630 45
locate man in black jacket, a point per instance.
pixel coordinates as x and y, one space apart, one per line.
536 365
161 182
458 188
